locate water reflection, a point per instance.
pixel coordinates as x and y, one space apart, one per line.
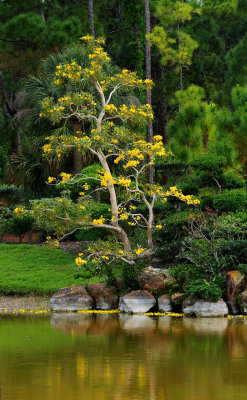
77 356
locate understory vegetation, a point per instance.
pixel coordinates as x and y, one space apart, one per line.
140 171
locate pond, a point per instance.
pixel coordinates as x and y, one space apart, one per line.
76 356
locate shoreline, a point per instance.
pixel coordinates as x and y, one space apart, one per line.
37 305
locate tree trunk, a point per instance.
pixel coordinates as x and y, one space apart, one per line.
77 156
114 207
42 14
91 17
148 76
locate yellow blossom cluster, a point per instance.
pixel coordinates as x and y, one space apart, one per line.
99 55
79 261
159 226
52 242
82 102
128 78
132 163
134 111
47 148
99 221
111 108
107 177
19 211
135 153
178 193
65 177
119 158
68 71
124 181
140 250
50 179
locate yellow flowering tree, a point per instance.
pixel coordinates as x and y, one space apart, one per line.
114 143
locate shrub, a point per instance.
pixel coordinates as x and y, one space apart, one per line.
231 201
207 201
243 268
168 240
209 162
92 234
232 181
190 187
202 289
97 209
185 273
20 226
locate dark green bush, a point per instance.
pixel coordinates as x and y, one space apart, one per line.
190 187
168 240
209 162
243 268
202 289
207 202
96 209
232 181
185 273
19 226
231 201
92 234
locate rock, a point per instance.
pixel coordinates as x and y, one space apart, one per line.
165 304
137 301
205 308
236 283
178 298
105 297
233 307
177 301
155 279
72 298
188 302
244 302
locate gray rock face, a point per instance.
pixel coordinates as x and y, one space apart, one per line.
165 304
72 298
207 309
244 308
155 279
188 305
236 282
233 307
105 297
244 302
137 301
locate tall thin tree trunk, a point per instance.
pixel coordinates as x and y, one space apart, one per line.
91 17
41 11
148 76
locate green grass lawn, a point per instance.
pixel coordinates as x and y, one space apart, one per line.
39 270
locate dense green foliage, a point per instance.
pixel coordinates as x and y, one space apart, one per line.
200 110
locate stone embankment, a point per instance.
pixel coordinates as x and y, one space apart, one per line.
154 284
